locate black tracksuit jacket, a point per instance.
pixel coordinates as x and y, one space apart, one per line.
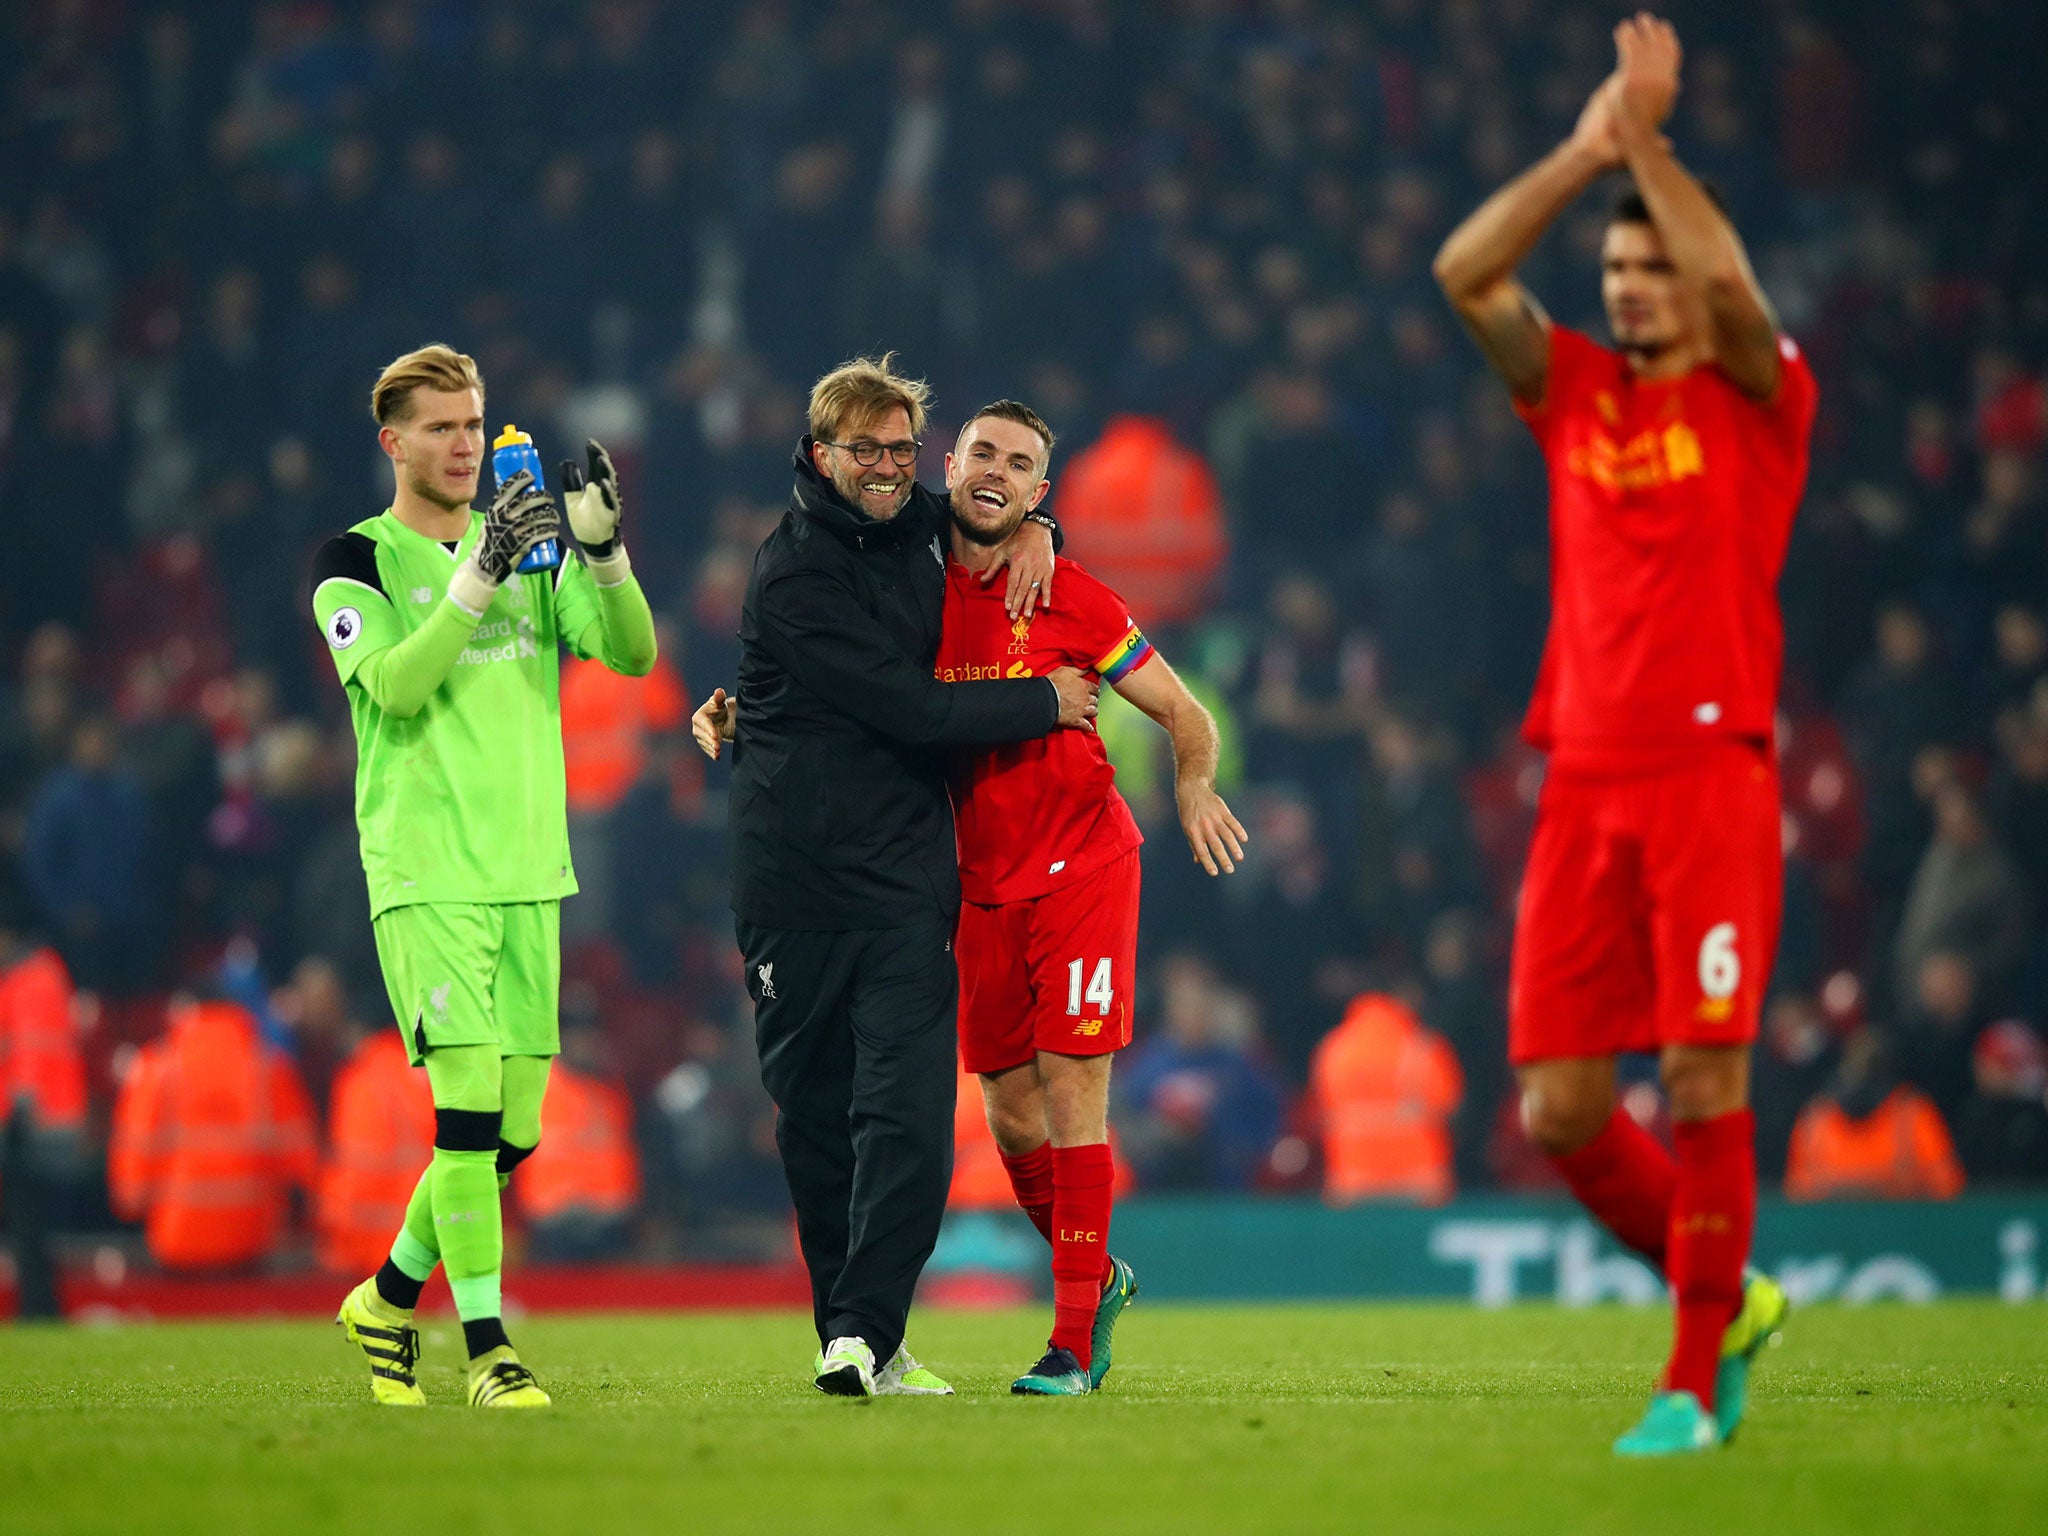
840 817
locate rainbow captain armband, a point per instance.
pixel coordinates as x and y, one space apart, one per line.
1125 657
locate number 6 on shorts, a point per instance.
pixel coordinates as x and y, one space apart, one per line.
1720 964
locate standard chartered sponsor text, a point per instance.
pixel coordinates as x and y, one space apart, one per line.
518 638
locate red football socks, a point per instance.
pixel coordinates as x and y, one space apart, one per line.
1081 1182
1713 1216
1031 1180
1627 1180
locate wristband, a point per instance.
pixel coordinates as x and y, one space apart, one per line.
470 589
611 569
1051 527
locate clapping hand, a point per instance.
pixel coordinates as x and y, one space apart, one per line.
592 500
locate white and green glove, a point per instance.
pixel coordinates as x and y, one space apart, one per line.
592 501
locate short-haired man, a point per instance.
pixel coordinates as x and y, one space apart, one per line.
845 886
1049 876
451 662
1650 911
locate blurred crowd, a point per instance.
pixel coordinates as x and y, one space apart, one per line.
1194 234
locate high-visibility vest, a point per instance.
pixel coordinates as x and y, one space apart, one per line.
41 1065
980 1182
606 718
1143 513
1901 1151
586 1162
1384 1089
380 1135
212 1129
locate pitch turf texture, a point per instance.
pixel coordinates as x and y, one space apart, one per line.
1379 1418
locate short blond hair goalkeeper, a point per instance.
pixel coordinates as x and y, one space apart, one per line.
450 658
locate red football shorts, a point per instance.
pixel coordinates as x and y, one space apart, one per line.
1050 973
1649 913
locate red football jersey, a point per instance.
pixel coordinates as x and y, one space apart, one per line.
1032 816
1671 503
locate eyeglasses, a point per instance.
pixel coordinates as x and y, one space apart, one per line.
867 452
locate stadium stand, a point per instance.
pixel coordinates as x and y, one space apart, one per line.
217 221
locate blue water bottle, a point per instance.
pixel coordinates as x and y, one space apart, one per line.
512 452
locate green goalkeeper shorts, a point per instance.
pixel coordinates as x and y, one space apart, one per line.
461 974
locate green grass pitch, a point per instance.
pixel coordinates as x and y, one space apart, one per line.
1404 1419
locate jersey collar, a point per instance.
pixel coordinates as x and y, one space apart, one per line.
463 545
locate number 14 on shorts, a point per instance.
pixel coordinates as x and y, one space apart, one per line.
1099 991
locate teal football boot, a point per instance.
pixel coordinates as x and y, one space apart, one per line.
1674 1425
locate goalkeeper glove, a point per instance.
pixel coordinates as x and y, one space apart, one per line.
522 514
593 504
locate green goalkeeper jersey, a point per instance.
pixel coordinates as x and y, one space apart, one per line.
460 793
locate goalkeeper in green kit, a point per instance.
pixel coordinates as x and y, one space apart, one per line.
451 661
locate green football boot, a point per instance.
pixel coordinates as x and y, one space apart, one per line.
1058 1374
498 1380
904 1377
1764 1310
393 1348
1119 1292
1674 1425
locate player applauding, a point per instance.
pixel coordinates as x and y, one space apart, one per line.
450 657
1650 910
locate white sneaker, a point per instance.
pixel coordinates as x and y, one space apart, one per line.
904 1377
846 1369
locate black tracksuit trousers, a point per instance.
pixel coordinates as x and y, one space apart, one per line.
857 1036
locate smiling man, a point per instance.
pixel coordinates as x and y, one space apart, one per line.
844 887
451 663
1049 876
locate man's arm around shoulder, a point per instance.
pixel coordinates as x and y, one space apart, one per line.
810 623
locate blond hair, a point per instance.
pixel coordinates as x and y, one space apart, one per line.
438 367
852 395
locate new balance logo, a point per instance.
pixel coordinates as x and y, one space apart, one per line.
1088 1027
767 975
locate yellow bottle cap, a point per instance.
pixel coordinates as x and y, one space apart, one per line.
510 436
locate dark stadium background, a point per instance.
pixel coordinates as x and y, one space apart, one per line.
657 224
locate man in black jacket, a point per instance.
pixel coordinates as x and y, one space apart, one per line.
845 882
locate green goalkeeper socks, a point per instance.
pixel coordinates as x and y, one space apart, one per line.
417 1250
453 1217
525 1080
470 1229
414 1252
462 1181
456 1205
